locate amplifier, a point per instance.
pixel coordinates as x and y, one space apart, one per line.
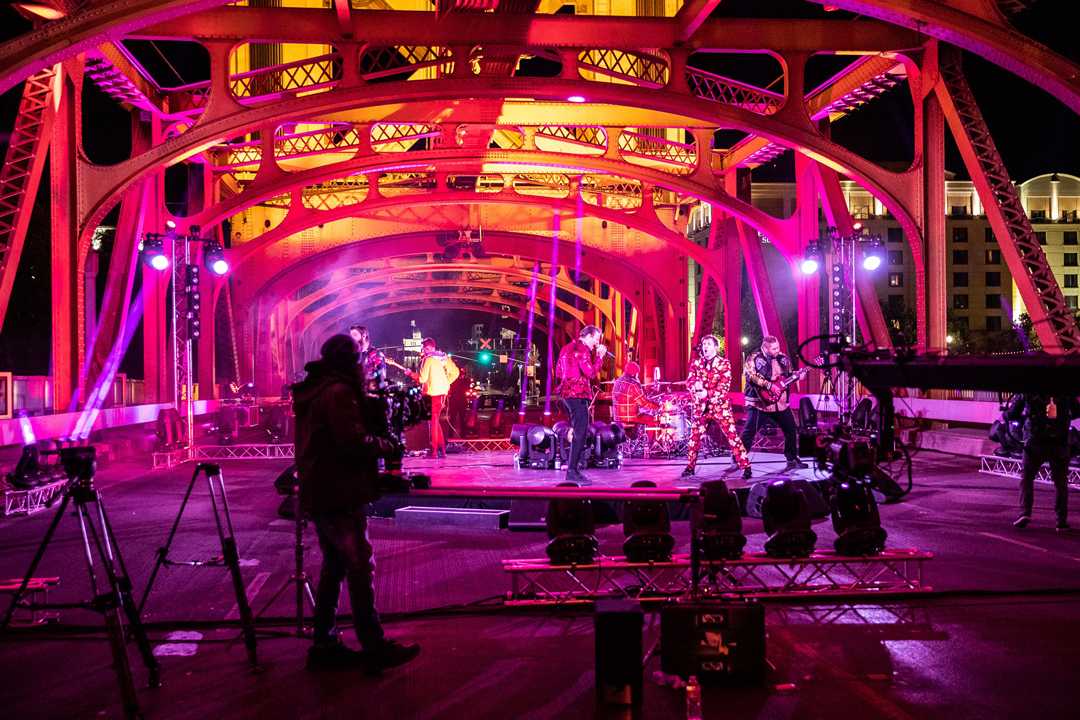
722 642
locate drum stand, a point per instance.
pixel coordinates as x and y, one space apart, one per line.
229 555
114 602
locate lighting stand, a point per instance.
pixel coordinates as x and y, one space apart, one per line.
844 253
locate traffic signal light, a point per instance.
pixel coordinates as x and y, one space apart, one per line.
484 358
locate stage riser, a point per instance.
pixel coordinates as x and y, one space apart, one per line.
472 518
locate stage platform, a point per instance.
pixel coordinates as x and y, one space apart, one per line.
1000 594
488 468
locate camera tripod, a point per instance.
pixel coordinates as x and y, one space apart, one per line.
299 578
230 558
114 601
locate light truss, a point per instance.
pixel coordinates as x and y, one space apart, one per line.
823 574
1011 468
28 502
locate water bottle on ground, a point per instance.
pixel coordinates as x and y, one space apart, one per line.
693 699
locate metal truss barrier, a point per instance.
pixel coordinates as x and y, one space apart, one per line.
481 444
28 502
823 574
1011 467
284 451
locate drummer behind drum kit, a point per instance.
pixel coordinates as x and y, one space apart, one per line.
671 433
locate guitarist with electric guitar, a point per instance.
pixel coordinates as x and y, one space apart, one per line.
769 375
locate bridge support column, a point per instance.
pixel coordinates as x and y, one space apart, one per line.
66 280
934 222
808 227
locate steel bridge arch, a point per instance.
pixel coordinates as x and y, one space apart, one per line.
614 270
255 250
569 312
308 341
994 40
283 182
298 308
674 109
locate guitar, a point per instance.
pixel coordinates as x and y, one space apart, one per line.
775 390
393 363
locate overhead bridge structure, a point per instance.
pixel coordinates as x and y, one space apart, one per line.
361 158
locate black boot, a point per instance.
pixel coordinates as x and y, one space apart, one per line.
390 654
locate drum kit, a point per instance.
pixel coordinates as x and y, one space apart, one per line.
671 433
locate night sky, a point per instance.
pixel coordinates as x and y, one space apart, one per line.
1034 133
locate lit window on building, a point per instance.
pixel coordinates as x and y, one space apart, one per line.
993 322
960 234
1071 281
1069 237
960 279
896 257
896 279
960 302
993 301
959 257
1071 301
993 257
1070 260
993 279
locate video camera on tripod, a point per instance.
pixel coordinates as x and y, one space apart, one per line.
848 452
389 411
79 461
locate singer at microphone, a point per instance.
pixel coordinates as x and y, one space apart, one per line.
577 369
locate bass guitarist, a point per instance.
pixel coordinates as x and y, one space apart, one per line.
769 374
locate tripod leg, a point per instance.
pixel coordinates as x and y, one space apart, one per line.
36 560
163 551
122 580
300 577
232 557
109 606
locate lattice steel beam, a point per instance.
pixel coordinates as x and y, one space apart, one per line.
823 574
20 175
1011 468
1054 321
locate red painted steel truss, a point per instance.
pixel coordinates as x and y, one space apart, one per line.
401 126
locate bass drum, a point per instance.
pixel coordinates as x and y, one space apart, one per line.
674 414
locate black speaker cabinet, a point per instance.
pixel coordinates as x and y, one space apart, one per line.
618 625
720 642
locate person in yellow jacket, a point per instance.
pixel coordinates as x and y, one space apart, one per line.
437 373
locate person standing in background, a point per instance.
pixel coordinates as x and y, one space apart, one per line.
1047 419
437 373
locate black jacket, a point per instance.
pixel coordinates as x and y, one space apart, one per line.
336 455
760 367
1038 428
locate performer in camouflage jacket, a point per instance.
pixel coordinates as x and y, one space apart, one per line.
709 383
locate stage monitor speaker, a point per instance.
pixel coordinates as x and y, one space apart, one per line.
527 515
815 499
722 643
618 626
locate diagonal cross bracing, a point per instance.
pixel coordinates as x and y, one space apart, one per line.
20 175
